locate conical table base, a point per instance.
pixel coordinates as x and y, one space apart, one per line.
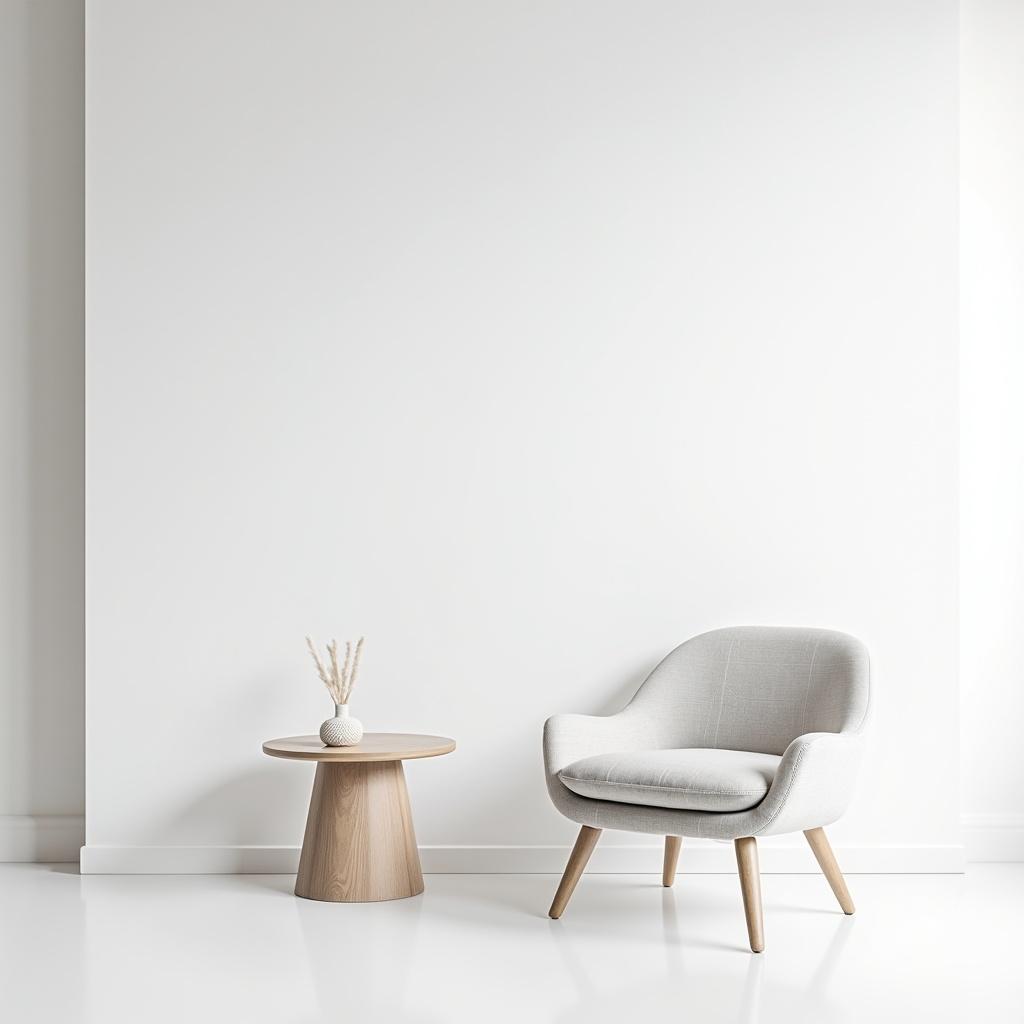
360 845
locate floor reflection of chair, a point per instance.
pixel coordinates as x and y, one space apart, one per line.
703 991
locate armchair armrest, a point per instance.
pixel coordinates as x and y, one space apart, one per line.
814 783
567 738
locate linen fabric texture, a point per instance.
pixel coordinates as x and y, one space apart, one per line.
695 780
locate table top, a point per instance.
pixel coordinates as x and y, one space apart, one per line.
374 746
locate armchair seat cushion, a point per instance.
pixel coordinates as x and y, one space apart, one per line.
689 779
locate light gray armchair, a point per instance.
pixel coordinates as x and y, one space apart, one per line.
738 733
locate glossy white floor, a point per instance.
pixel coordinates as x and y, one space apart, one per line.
479 947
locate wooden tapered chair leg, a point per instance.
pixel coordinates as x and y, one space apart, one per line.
585 843
750 884
668 872
826 859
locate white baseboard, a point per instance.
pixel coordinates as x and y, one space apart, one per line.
59 838
994 837
29 838
701 857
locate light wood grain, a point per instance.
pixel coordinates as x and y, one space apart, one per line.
826 859
374 746
360 844
668 871
750 884
585 843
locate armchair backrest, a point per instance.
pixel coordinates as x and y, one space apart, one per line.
756 688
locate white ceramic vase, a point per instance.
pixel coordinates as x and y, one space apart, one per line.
342 730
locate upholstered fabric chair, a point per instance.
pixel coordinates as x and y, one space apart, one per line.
738 733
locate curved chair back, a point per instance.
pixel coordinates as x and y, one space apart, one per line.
756 688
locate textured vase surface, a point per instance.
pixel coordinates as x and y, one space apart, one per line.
342 730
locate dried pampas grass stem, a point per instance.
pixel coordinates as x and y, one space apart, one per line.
339 681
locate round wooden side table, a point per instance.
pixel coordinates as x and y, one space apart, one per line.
359 844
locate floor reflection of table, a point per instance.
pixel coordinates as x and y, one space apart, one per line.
360 845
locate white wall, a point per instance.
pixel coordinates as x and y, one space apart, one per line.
992 369
41 425
528 340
